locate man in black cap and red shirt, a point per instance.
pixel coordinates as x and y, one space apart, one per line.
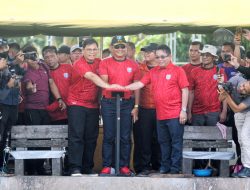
118 70
64 55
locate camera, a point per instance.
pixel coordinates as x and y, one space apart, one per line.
227 57
30 55
228 87
4 55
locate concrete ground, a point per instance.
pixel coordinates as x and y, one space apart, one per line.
121 183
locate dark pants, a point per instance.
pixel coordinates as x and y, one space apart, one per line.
147 154
170 137
83 133
36 117
9 118
109 130
208 119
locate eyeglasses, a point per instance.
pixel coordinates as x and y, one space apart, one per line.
161 57
119 46
91 50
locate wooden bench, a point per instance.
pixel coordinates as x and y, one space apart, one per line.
207 137
53 137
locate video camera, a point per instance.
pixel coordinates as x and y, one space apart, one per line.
227 86
30 55
227 57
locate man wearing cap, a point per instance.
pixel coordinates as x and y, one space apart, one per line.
75 53
170 90
204 106
64 55
118 70
146 147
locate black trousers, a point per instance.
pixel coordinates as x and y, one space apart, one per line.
9 118
83 133
147 153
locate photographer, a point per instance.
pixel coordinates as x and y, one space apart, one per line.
238 100
9 94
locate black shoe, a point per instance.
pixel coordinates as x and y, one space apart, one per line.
144 173
76 173
163 171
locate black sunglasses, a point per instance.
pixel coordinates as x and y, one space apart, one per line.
118 46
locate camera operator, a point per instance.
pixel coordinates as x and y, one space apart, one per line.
238 100
9 93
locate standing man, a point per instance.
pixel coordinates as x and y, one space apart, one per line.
118 70
204 105
146 147
83 109
170 88
194 58
64 55
75 53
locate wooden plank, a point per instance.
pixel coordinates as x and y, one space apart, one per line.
39 143
224 166
56 164
39 131
207 144
187 164
205 133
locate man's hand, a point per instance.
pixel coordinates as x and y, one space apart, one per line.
116 86
222 94
62 104
31 87
183 117
134 114
234 62
11 83
246 34
223 116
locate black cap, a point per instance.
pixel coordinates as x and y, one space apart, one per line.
3 41
64 49
150 47
118 40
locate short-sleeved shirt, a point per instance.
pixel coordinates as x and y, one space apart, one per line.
205 85
146 93
61 76
167 85
82 91
119 72
188 68
40 77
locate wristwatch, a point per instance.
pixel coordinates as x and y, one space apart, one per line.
58 99
136 106
184 109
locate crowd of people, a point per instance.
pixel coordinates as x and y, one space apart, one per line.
72 86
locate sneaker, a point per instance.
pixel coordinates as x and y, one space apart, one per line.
76 173
106 171
245 172
126 171
234 175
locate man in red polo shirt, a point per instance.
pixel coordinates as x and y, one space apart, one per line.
118 70
83 109
61 74
204 106
170 88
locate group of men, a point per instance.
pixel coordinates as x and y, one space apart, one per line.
65 88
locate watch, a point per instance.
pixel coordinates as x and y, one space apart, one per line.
184 109
58 99
136 106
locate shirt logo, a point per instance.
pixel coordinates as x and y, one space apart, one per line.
168 76
129 69
66 75
215 77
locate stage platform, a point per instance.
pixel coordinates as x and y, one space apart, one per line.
122 183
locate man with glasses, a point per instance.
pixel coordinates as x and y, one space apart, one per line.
118 70
170 88
83 109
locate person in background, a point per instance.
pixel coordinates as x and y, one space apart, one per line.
147 155
170 89
105 53
131 50
64 55
61 74
75 53
118 70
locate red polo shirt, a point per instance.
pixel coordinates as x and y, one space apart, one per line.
146 93
83 92
123 73
167 84
204 83
188 68
61 76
